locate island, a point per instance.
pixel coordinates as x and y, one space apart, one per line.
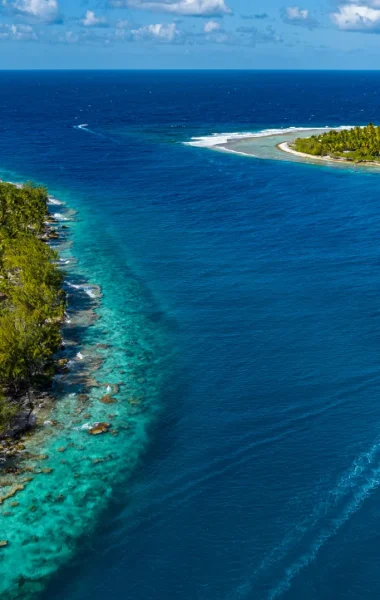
354 144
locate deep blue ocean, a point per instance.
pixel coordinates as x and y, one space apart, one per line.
261 478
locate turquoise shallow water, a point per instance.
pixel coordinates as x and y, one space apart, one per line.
241 298
58 508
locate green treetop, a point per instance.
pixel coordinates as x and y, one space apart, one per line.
358 144
32 302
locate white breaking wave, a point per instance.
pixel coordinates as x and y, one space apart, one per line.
54 201
85 427
86 288
60 217
17 185
218 139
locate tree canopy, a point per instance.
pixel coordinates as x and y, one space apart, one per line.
358 144
32 301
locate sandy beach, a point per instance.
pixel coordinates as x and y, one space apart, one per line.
284 146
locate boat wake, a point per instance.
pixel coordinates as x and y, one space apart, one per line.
302 544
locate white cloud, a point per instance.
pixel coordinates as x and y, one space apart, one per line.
194 8
80 36
91 20
254 36
211 26
122 24
17 33
43 10
69 37
354 17
160 32
295 15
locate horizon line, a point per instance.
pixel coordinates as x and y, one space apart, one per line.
198 70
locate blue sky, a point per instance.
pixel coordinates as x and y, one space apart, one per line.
245 34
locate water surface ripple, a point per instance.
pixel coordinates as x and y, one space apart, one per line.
248 292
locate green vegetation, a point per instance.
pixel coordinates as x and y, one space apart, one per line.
32 301
360 144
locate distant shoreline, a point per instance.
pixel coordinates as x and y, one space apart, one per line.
284 147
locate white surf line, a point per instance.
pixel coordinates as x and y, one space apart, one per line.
220 139
54 201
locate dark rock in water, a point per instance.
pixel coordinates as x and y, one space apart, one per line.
134 401
23 421
62 365
108 399
13 470
83 397
12 492
98 428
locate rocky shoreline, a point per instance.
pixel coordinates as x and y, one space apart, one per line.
89 430
19 443
14 440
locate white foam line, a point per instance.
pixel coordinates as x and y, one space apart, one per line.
218 139
86 288
60 217
54 201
